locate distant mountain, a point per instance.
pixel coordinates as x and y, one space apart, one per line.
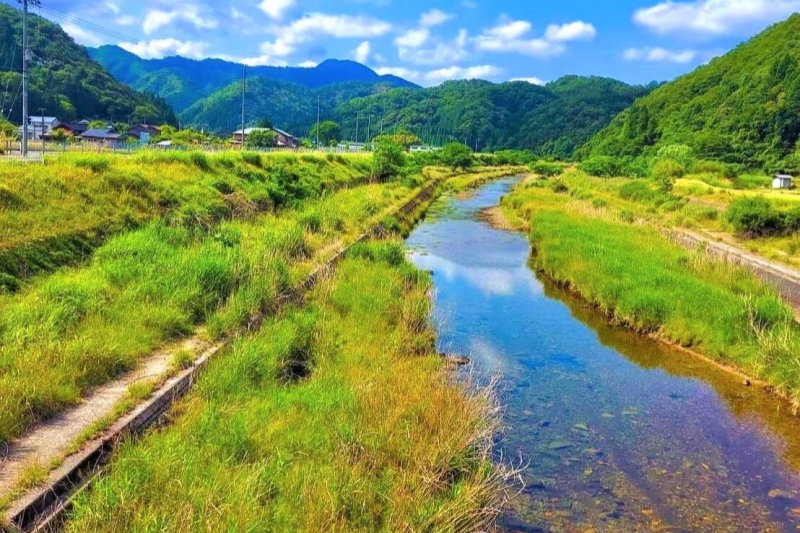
183 82
743 107
550 120
65 81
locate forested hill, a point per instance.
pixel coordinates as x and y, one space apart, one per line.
183 82
551 120
290 106
64 80
743 107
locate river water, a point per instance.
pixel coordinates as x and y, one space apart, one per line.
618 433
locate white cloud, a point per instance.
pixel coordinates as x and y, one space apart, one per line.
574 31
362 53
413 38
80 35
434 17
275 9
513 36
278 48
532 81
438 54
308 64
712 17
156 19
164 47
316 25
435 77
656 55
126 20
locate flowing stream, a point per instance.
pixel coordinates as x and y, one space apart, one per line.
618 433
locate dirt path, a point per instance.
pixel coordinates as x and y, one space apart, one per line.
50 441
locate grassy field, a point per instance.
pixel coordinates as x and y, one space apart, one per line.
337 416
56 214
592 236
69 331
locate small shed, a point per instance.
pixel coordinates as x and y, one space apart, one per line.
782 181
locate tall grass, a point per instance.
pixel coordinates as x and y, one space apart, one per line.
56 214
639 278
75 329
333 417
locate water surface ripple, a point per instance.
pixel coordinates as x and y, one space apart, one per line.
620 433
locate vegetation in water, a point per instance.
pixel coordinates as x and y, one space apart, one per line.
338 416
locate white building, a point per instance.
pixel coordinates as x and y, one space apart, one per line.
39 126
782 181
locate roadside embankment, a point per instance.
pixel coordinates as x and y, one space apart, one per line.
641 279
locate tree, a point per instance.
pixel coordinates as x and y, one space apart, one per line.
456 155
98 124
262 139
388 159
402 137
265 122
329 132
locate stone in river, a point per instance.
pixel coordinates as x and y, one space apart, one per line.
560 445
778 494
581 427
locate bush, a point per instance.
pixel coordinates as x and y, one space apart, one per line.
755 217
599 203
389 159
665 172
547 169
679 153
602 166
456 156
559 187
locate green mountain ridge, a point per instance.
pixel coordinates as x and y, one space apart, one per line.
183 82
743 107
64 80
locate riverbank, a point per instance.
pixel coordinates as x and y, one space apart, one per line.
638 278
286 420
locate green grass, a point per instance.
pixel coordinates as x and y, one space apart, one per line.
639 278
337 416
57 214
76 329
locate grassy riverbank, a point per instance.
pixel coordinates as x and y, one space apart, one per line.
67 332
56 214
641 279
337 416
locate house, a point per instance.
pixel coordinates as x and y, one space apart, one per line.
782 181
105 137
138 129
284 139
39 127
68 129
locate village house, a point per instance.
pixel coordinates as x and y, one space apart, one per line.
68 129
39 127
108 137
285 139
782 181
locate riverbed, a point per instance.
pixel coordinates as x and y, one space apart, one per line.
616 432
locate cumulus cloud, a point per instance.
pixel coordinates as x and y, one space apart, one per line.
80 35
276 9
514 36
435 77
156 19
434 17
362 53
532 81
413 38
656 55
712 17
315 25
159 48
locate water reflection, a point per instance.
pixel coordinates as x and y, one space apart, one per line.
622 434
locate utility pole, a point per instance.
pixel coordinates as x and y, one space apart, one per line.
317 122
41 110
358 116
244 92
26 53
369 130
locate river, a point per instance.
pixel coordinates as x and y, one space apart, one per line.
618 433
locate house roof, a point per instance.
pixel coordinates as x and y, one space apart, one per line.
248 131
73 126
284 133
38 120
783 177
104 133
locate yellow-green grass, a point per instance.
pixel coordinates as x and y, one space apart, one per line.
644 280
75 329
335 417
56 214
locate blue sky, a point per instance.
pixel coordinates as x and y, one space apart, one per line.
430 41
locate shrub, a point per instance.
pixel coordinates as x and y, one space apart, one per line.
599 203
456 156
755 217
602 166
389 159
559 187
679 153
547 169
665 172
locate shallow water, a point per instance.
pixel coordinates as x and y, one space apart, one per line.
619 433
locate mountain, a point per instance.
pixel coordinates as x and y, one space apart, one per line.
550 120
182 81
288 105
743 107
64 80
